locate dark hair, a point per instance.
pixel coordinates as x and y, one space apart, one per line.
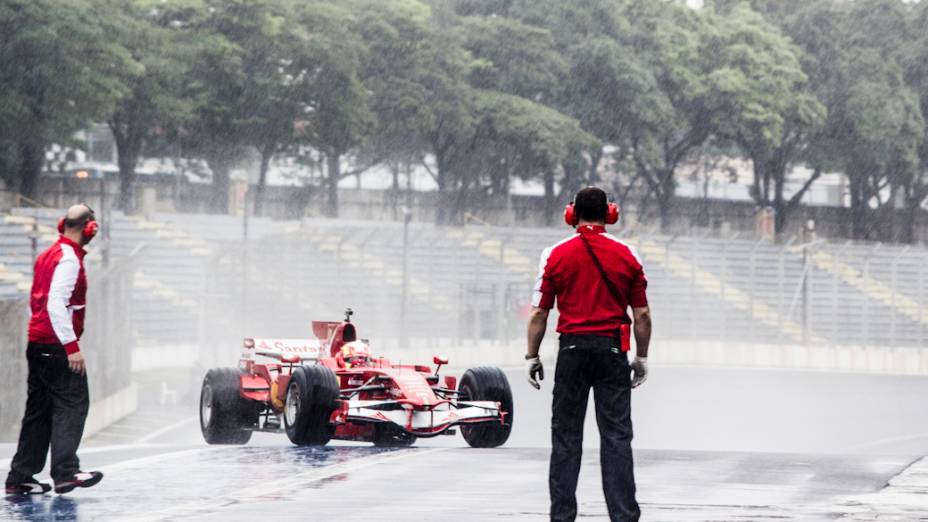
591 204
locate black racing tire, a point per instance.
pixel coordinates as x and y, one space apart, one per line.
312 396
486 384
225 415
390 436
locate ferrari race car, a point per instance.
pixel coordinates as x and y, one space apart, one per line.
332 387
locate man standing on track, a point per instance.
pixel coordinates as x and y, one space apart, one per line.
594 278
57 402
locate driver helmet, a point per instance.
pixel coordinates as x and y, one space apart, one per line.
355 351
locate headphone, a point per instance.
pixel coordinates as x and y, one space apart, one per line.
572 219
90 228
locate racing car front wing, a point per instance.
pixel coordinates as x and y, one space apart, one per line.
423 422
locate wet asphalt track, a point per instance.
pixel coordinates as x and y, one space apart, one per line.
711 445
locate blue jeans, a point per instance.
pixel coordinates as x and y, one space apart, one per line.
585 362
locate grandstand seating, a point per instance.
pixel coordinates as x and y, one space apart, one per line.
196 278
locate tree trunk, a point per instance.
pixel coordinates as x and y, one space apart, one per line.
267 153
333 176
773 170
907 233
393 195
858 208
458 200
441 179
665 198
128 149
780 212
219 201
126 199
550 202
31 158
887 224
573 177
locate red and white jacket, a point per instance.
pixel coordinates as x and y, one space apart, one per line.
568 275
59 296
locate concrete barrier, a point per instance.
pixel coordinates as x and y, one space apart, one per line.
111 408
898 361
106 344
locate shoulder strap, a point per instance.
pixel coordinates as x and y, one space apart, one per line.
602 272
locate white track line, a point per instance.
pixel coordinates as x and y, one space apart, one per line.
144 461
5 463
167 429
269 490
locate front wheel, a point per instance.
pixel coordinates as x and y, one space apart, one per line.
224 414
487 384
312 396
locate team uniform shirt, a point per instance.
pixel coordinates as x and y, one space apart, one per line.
59 296
567 275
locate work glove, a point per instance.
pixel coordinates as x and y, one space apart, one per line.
535 368
639 371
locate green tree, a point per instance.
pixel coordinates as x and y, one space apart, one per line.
487 80
156 36
277 92
677 106
513 57
764 104
59 70
914 58
341 118
873 124
517 137
609 87
396 35
216 131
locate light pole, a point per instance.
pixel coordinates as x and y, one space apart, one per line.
407 217
104 225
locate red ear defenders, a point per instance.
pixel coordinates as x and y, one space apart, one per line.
90 228
572 219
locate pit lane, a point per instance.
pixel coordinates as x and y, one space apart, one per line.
711 445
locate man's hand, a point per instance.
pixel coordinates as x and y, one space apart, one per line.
639 371
535 369
76 363
537 324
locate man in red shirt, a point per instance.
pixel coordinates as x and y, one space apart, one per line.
57 403
594 278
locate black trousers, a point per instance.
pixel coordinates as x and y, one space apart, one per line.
56 409
585 362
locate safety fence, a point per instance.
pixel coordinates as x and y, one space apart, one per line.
207 281
469 285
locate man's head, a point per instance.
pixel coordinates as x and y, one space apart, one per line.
591 205
74 223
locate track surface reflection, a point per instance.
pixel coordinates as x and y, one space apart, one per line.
721 445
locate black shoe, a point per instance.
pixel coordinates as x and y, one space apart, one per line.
29 486
81 479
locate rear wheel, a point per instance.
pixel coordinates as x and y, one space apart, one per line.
312 396
487 384
390 436
224 414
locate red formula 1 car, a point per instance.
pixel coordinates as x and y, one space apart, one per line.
332 387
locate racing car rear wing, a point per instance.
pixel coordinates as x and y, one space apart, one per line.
285 350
